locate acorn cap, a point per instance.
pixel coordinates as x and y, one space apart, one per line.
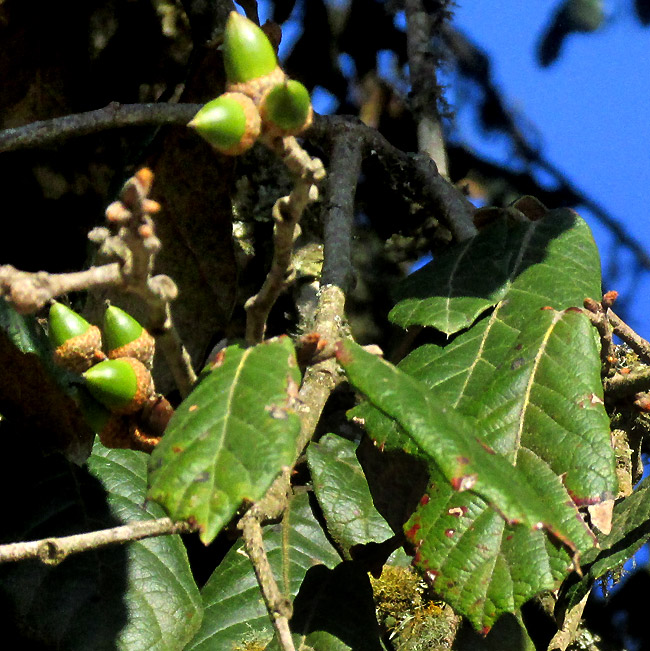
125 337
76 343
286 108
230 123
123 385
247 52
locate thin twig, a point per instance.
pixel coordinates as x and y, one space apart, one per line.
286 215
619 385
271 506
637 343
130 254
54 550
417 174
113 116
425 91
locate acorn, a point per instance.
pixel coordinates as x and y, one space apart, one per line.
77 344
286 109
247 52
230 123
125 337
123 385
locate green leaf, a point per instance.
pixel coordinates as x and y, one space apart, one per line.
451 291
230 438
478 563
547 397
234 609
630 531
137 596
163 601
343 494
453 442
554 262
548 417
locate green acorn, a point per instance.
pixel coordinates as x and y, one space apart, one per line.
247 52
125 337
230 123
123 385
77 344
286 108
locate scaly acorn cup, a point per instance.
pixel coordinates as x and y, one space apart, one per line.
125 337
286 109
249 58
76 343
123 385
230 123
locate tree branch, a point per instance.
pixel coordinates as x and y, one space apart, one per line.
338 217
113 116
425 91
417 174
287 212
53 550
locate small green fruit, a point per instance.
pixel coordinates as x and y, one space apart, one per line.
286 108
247 52
123 385
230 123
125 337
76 343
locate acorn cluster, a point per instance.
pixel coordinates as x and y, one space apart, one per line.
259 99
118 397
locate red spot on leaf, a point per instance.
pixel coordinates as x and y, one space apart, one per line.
548 307
424 500
485 630
485 446
177 449
509 537
464 483
412 532
219 359
450 533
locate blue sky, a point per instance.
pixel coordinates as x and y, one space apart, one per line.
589 110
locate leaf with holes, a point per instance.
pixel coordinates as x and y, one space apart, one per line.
453 443
234 609
230 438
548 417
451 291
